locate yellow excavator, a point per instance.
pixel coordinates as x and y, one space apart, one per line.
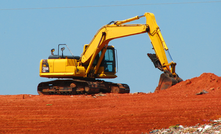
83 74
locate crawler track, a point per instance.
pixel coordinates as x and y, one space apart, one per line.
75 86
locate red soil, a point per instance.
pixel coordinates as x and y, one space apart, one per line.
113 113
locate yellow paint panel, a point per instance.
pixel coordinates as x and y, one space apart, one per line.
59 65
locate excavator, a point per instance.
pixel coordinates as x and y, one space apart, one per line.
83 74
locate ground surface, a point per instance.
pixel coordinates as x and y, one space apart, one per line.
193 101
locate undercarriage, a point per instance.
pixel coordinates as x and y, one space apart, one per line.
76 86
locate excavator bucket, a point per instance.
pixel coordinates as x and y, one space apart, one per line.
166 81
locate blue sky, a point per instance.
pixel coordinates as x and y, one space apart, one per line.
30 29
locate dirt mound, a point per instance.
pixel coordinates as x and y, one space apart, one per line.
193 101
206 81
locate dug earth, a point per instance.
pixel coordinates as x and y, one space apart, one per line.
190 102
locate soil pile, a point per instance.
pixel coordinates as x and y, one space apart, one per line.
190 102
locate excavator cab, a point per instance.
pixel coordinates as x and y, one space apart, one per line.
108 62
107 67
